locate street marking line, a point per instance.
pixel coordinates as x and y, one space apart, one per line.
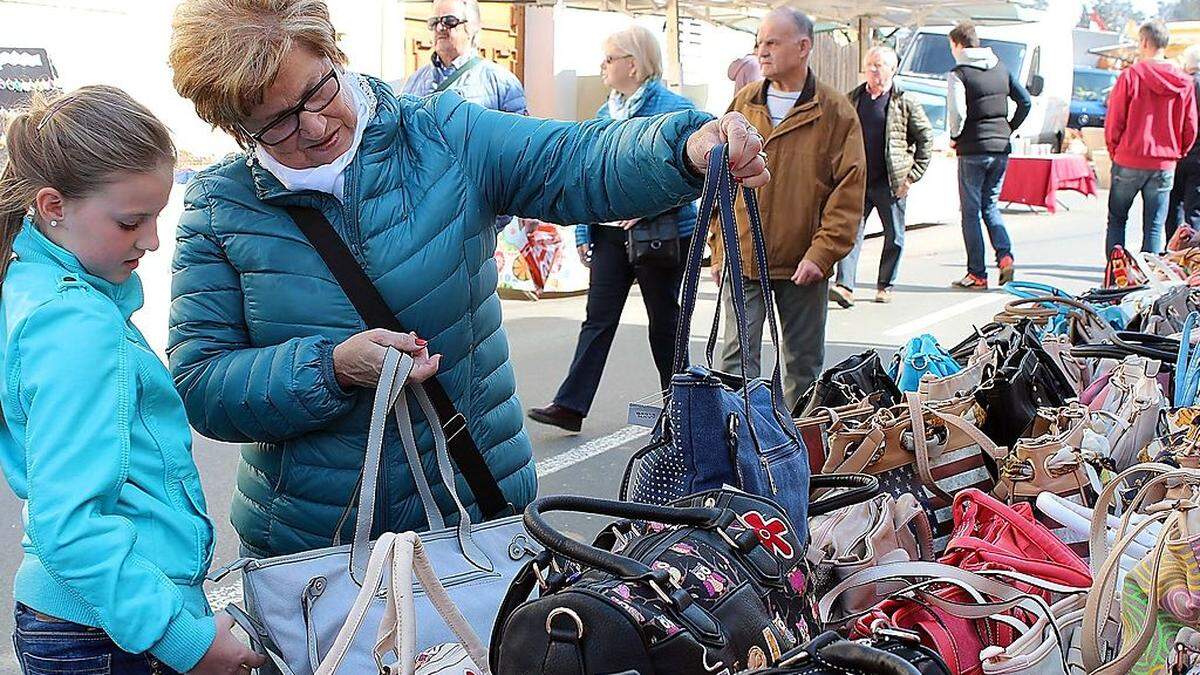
590 449
911 327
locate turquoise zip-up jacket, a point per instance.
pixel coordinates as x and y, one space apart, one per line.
95 440
256 313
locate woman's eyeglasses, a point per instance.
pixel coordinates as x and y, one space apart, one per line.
449 22
286 124
609 60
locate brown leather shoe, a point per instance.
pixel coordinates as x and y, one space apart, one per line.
557 416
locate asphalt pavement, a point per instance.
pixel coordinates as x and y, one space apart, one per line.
1064 249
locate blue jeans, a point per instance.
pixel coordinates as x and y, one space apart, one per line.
979 181
1155 188
47 646
891 215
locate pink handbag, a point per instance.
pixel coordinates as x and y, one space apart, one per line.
990 539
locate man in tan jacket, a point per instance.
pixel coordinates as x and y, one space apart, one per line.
811 209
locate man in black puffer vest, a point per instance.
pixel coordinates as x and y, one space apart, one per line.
977 94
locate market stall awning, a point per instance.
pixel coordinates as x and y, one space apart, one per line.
1183 35
24 71
745 14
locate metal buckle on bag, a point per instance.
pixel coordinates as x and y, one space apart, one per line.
459 417
566 611
882 632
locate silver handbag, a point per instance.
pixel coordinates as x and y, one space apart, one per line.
297 603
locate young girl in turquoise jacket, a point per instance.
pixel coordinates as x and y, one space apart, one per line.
93 436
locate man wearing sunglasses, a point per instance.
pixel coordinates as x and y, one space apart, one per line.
456 63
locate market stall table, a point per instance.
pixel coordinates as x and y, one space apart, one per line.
1035 179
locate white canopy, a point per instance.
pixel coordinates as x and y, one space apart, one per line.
745 14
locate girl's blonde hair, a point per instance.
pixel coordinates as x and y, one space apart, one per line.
226 53
640 43
75 143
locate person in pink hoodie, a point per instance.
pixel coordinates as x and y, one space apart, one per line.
1151 125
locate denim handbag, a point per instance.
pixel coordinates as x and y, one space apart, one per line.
297 603
718 429
923 355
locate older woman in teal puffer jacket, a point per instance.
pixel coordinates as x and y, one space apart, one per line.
264 345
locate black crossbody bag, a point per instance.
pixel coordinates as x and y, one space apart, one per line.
375 312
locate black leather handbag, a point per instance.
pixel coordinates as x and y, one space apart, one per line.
1012 396
859 378
889 653
654 241
714 583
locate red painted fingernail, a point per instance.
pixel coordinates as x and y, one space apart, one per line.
420 342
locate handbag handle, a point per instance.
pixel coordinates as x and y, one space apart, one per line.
621 566
858 488
400 556
1102 601
717 198
1187 365
389 396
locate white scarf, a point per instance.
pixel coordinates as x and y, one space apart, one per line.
328 178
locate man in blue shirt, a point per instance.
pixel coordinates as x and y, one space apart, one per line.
456 63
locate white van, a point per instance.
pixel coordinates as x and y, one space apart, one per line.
1041 56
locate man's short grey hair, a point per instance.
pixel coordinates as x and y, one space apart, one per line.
1191 58
887 53
803 23
1156 32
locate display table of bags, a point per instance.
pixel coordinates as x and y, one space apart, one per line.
1023 500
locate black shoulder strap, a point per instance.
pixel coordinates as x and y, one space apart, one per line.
454 77
375 312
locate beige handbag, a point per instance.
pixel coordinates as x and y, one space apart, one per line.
1130 406
885 529
395 559
964 382
1052 461
1078 371
928 449
1126 628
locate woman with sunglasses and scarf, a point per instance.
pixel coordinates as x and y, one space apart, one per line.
265 347
456 63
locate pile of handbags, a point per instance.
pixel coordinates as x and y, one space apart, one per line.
1024 501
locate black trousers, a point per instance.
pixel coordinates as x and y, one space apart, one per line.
612 277
1184 207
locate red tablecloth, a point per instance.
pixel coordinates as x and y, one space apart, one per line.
1035 179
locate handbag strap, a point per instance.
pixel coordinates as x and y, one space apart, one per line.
1187 365
370 305
925 459
457 74
718 198
399 556
389 396
398 635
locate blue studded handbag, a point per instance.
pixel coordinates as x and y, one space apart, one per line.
718 429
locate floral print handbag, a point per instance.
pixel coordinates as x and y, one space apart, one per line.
715 583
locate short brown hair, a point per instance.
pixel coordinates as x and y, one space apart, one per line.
225 53
964 34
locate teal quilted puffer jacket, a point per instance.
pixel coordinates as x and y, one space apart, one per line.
256 314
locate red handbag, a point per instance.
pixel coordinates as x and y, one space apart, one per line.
992 539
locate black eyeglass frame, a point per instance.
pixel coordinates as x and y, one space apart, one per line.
294 111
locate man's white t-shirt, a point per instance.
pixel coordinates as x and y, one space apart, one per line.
780 103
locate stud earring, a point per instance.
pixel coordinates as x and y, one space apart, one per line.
53 223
